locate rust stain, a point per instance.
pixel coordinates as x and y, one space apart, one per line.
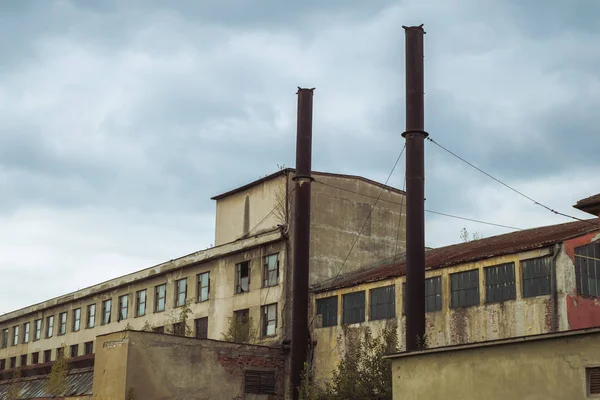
548 311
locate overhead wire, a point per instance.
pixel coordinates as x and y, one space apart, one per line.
506 185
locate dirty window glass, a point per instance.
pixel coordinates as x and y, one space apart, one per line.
536 276
587 269
464 289
354 307
328 309
500 283
383 303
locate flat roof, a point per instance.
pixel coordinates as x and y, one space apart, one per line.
498 342
291 170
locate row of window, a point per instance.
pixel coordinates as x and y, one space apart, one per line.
88 348
500 285
242 284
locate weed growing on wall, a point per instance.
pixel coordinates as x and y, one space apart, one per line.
56 385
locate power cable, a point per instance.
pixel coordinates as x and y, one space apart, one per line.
400 220
271 212
426 210
507 186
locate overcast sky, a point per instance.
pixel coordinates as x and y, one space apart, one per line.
119 119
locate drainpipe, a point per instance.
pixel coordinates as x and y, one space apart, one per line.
415 189
553 287
303 180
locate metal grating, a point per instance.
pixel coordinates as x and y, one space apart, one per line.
259 382
593 378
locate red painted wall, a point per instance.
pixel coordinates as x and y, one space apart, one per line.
582 312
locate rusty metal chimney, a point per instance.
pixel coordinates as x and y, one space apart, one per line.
303 180
415 189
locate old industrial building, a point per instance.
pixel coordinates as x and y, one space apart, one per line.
528 282
246 275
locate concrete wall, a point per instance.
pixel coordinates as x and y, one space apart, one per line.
519 317
532 370
152 366
221 304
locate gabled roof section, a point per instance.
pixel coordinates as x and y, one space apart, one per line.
589 204
286 171
441 257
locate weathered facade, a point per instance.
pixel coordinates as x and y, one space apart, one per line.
523 283
150 366
564 365
246 275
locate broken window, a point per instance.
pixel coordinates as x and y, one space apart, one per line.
464 287
241 331
123 307
23 360
15 340
242 277
49 326
62 323
160 295
35 358
353 307
4 338
91 316
88 347
106 311
74 350
76 319
587 269
203 286
382 303
60 351
180 292
47 356
201 328
500 283
269 319
140 303
259 382
179 329
38 329
433 295
26 327
536 276
271 270
327 308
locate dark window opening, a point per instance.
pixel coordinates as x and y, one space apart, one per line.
4 338
500 283
464 287
179 329
242 277
24 360
13 362
60 352
91 316
382 303
593 380
269 320
106 311
88 348
62 321
15 340
35 358
123 307
327 308
433 295
241 331
271 270
587 269
203 286
74 351
47 356
2 364
201 328
259 382
159 329
353 307
536 276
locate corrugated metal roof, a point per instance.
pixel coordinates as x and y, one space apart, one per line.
79 382
441 257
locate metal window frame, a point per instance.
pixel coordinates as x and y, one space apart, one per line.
379 309
106 321
267 272
238 277
532 281
500 283
178 292
49 326
476 301
592 272
62 324
138 303
157 297
200 287
329 316
265 319
26 332
354 313
76 320
90 321
120 316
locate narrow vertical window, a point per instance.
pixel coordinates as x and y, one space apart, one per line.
271 270
123 307
4 338
353 307
62 323
181 292
91 316
74 350
47 356
140 303
38 329
106 311
76 319
464 289
24 360
50 326
269 319
327 308
203 286
242 277
26 327
15 340
242 325
88 347
160 295
202 328
35 358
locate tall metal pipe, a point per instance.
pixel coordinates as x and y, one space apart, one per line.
303 180
415 189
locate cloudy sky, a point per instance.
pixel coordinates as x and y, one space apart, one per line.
121 118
